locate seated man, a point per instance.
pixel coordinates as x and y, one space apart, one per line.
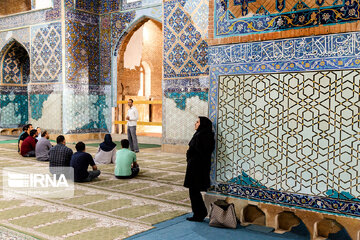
26 131
28 146
125 165
80 162
42 147
60 156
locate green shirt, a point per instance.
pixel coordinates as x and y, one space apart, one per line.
124 159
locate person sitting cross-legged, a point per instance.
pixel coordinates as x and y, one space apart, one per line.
59 157
42 147
80 162
126 165
28 146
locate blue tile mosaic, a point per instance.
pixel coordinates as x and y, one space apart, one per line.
15 64
46 54
13 106
86 108
105 49
185 47
181 89
92 6
290 199
180 98
300 16
36 105
83 57
120 22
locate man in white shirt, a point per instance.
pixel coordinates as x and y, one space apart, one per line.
132 117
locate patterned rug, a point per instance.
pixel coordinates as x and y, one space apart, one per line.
107 208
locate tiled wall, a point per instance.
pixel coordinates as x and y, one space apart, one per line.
38 104
46 53
282 109
185 64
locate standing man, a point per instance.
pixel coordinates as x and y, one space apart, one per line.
132 117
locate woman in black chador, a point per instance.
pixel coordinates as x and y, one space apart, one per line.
198 159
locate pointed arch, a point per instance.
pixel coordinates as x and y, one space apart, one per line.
14 76
129 31
8 44
15 63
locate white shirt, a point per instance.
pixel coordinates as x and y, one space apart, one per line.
133 115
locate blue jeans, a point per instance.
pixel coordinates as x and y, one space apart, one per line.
133 139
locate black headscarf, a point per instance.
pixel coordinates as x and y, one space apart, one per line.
108 145
205 125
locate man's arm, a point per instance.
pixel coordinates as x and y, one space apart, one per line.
91 162
136 114
134 164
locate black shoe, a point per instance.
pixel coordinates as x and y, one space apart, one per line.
193 219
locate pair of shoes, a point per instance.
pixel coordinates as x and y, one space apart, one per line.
137 151
193 219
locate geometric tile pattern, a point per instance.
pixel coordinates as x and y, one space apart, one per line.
337 51
15 65
320 58
185 48
46 53
82 57
178 124
294 132
248 17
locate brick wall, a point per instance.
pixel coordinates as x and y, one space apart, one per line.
16 6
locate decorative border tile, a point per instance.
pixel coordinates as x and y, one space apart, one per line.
227 25
297 200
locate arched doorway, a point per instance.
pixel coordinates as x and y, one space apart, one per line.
139 74
14 76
